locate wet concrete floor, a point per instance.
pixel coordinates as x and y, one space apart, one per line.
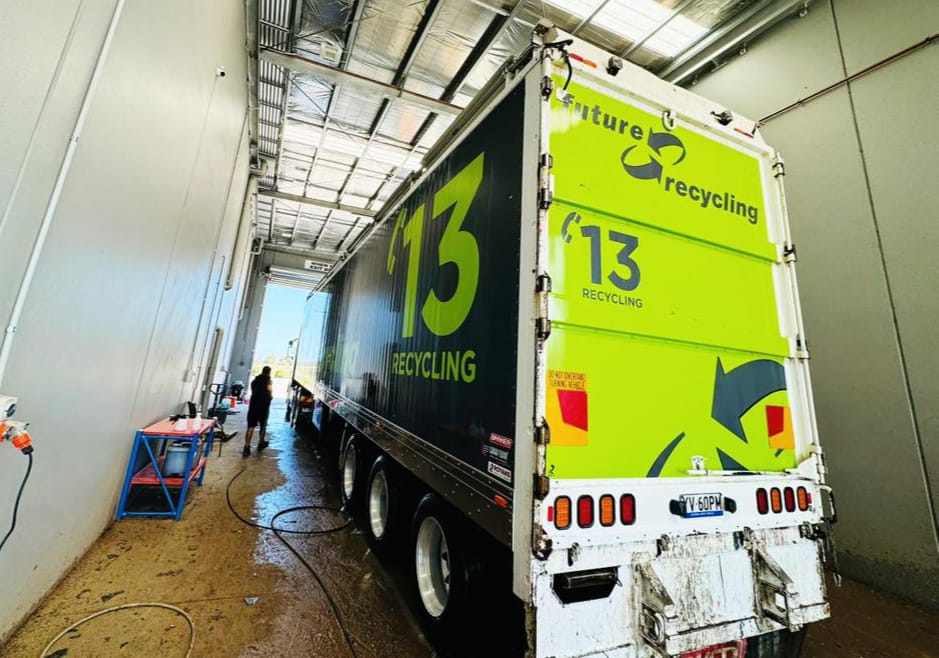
209 564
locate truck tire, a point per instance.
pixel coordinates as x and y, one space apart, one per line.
441 573
381 504
349 478
778 644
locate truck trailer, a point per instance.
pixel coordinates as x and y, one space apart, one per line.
577 331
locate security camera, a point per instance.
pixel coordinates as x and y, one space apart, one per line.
614 66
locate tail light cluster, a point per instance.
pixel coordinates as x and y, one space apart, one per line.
588 511
788 499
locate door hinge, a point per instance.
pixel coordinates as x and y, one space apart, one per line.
547 86
779 167
542 485
543 284
545 182
542 433
802 348
789 254
542 328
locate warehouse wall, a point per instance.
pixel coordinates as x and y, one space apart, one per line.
861 183
127 293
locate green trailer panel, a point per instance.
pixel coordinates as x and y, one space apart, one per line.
666 340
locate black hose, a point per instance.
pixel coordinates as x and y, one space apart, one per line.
562 46
347 636
19 495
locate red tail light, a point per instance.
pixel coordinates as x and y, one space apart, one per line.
585 511
790 497
627 509
762 501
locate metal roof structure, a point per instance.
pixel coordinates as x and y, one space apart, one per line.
350 94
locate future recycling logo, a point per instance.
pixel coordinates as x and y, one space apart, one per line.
652 168
652 154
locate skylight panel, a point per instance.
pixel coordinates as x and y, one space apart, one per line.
636 19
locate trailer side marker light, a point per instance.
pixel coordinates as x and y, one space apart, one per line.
805 498
790 497
607 510
585 511
562 513
762 501
775 497
582 60
627 509
550 513
502 501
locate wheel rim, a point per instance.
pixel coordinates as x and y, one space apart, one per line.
348 472
378 505
432 561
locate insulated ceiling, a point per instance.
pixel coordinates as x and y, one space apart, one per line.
352 105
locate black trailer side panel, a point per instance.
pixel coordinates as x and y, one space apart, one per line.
425 337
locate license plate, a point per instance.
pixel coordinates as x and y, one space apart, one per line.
706 504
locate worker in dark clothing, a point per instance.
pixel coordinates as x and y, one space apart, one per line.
258 409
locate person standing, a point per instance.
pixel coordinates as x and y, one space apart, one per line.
258 409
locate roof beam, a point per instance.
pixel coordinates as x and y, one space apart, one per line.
746 25
420 36
301 64
497 27
401 74
330 205
353 33
581 25
676 12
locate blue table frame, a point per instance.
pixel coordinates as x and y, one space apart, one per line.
151 473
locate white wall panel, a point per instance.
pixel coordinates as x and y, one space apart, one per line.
152 198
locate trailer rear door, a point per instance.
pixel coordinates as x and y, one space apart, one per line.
666 339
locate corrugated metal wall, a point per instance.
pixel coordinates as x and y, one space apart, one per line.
861 181
119 321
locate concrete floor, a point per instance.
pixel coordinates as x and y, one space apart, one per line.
210 562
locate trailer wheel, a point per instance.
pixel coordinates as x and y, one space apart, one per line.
348 472
779 644
381 505
440 567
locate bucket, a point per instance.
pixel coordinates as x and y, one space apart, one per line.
175 463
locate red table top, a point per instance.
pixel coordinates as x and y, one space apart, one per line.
167 427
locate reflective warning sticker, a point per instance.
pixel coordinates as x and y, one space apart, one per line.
567 407
779 426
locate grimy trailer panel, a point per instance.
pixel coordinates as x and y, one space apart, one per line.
422 321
